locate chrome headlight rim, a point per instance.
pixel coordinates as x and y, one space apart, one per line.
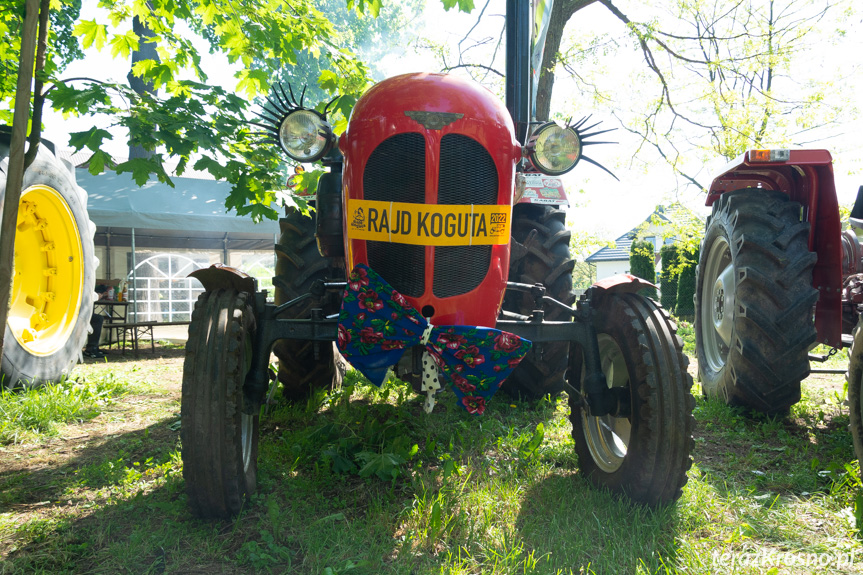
322 128
535 151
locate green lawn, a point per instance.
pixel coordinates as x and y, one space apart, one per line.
362 481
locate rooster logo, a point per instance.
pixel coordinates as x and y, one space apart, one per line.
359 221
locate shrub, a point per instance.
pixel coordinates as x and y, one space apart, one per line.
668 276
642 264
686 284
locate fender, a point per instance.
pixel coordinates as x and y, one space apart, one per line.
220 276
622 283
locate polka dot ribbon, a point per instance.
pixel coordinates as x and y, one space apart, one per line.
377 324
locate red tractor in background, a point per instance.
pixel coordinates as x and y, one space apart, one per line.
777 276
452 198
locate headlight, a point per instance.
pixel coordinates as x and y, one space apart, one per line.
554 150
305 135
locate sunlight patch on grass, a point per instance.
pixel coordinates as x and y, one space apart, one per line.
29 414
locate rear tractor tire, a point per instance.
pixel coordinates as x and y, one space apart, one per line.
644 454
540 256
754 298
219 441
54 275
298 265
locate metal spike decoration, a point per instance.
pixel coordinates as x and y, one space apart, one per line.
278 104
581 122
330 103
598 165
597 133
583 137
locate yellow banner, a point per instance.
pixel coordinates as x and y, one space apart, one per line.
428 224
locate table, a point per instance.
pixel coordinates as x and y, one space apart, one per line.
117 324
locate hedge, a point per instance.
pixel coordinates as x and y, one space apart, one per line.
668 276
685 308
642 264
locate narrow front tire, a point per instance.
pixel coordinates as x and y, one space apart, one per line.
219 441
645 453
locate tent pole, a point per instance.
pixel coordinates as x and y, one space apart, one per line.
134 280
108 254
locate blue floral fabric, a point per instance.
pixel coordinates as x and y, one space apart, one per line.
377 324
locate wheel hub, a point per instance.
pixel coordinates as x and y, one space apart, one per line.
608 436
723 304
716 310
47 284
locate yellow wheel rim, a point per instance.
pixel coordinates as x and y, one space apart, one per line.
47 286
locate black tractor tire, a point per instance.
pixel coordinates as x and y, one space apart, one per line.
219 441
646 455
753 338
540 255
302 368
854 376
55 275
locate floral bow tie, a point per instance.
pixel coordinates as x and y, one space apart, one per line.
377 324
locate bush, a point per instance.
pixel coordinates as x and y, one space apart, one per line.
668 276
686 284
642 264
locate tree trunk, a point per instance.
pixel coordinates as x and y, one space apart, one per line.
146 51
16 160
561 12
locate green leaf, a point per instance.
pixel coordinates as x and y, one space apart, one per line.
124 44
96 163
527 450
340 463
91 138
384 465
92 34
253 82
207 11
141 168
463 5
435 522
328 80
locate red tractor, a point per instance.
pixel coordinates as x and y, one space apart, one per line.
447 195
776 277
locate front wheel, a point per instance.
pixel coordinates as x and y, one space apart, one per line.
220 442
644 453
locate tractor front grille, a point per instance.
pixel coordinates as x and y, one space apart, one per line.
395 172
467 176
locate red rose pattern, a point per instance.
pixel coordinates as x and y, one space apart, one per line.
471 356
359 278
344 336
506 341
369 335
473 404
369 300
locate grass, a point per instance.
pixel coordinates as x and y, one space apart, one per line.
38 413
360 480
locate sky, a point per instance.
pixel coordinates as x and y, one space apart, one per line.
603 206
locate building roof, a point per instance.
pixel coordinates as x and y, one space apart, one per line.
620 252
